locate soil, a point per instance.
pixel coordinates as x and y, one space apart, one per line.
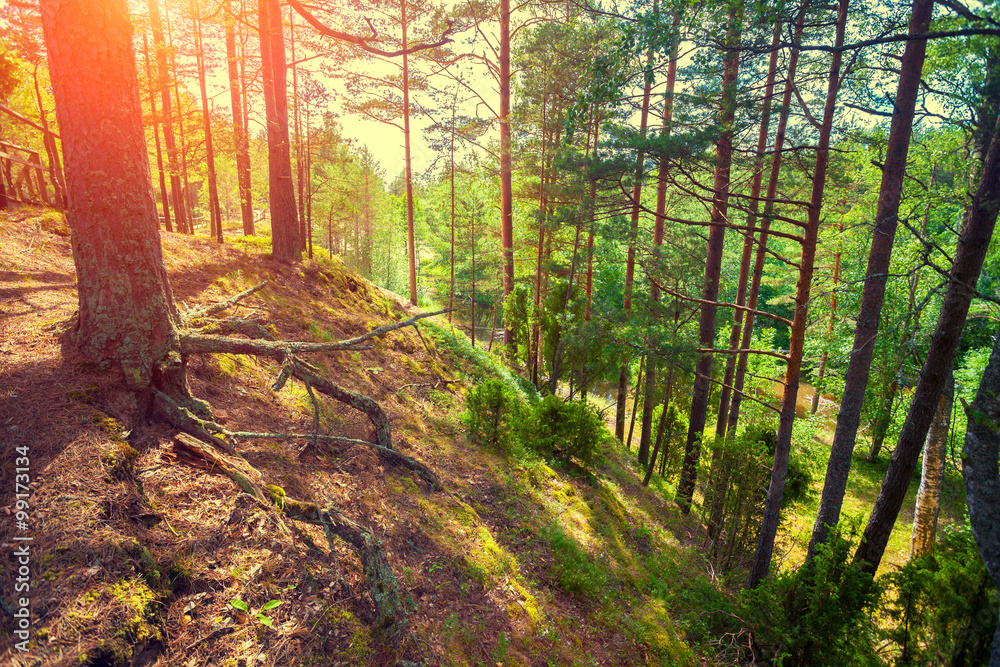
142 556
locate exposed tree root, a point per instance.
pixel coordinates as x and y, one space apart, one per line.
202 333
390 615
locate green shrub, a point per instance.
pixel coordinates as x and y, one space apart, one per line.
820 615
492 411
942 607
563 429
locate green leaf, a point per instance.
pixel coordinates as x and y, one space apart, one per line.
239 604
264 619
270 604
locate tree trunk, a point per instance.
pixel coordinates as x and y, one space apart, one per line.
973 242
156 134
928 508
451 176
127 315
239 136
506 191
285 244
299 162
163 80
765 223
866 328
630 261
713 264
783 446
722 420
818 389
214 213
980 459
410 234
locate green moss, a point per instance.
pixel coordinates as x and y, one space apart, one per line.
277 495
121 461
84 395
140 601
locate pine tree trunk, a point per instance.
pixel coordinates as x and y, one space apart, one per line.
765 223
127 314
783 446
163 79
713 265
215 215
722 420
156 134
980 459
928 507
410 234
506 191
285 244
866 328
239 136
818 389
973 242
623 374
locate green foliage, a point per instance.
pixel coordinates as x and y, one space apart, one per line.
492 413
564 429
942 606
516 319
261 617
819 615
477 363
575 570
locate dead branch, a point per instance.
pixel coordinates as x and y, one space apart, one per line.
364 42
212 309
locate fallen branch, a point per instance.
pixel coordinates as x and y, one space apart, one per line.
212 309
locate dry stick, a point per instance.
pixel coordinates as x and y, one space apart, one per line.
212 309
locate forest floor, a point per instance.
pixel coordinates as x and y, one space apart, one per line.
138 553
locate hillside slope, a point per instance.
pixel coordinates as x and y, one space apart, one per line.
139 551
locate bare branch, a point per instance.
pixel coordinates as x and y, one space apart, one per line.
363 42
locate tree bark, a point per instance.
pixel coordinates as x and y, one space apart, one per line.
866 328
765 223
127 315
713 264
928 508
506 191
285 244
818 389
239 136
156 135
213 190
163 80
410 234
980 458
722 420
973 241
782 451
623 373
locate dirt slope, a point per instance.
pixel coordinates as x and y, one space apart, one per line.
139 551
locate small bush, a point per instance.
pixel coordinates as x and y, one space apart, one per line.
820 615
492 411
564 429
942 606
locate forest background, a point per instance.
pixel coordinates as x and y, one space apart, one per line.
837 163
